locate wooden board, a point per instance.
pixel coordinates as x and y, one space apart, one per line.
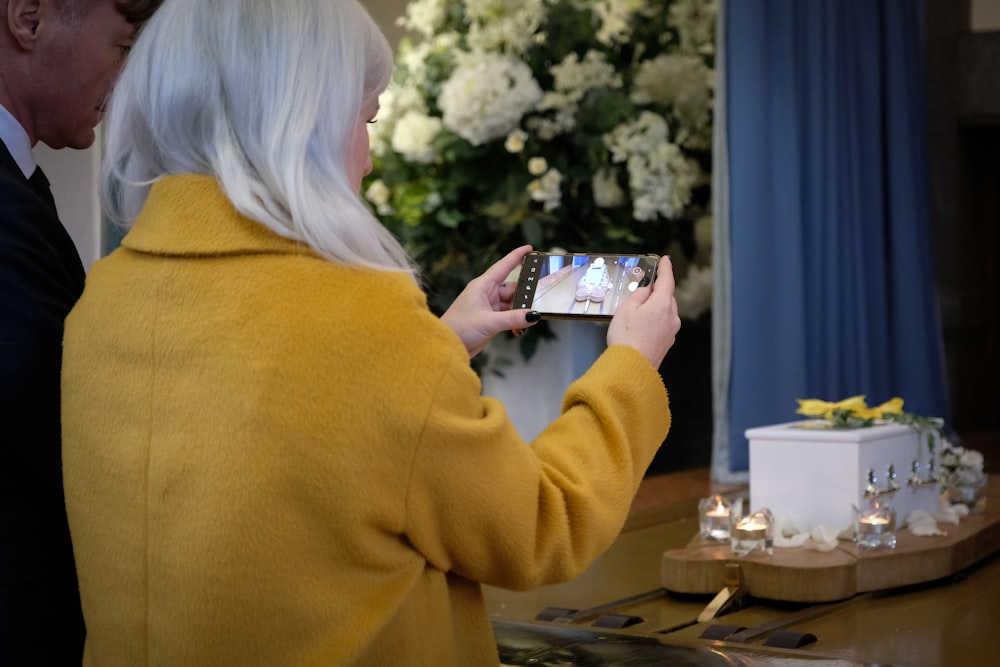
805 575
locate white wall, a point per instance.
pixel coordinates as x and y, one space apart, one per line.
385 13
985 15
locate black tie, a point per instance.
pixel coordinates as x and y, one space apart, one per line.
40 184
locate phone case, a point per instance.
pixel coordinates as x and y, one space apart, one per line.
580 286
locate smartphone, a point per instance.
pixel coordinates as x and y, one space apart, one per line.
572 286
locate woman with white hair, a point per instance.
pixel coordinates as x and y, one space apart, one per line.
274 453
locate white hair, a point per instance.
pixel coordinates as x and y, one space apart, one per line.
264 95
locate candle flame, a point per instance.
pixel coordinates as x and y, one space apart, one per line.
874 520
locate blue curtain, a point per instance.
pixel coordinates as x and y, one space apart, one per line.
831 281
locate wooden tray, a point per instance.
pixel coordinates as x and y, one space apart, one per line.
805 575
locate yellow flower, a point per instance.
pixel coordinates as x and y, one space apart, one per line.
813 407
854 404
853 413
890 407
893 406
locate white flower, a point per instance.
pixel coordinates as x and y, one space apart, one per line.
423 16
680 81
547 189
515 141
960 465
537 166
660 176
971 459
695 23
394 103
503 25
615 16
607 192
433 200
413 134
378 194
572 79
487 95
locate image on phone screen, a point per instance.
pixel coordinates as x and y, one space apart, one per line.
580 286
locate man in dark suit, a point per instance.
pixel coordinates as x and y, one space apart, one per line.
58 60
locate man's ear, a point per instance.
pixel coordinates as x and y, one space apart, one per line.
23 20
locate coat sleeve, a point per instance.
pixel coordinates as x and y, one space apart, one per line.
486 505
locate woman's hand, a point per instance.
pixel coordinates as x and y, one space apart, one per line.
647 320
482 310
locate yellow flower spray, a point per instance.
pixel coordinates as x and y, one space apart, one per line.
853 412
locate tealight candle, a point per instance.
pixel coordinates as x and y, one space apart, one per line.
753 533
713 515
875 528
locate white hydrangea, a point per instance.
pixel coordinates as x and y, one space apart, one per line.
411 58
423 16
661 178
572 79
607 192
615 16
487 95
503 25
695 23
678 81
413 135
547 189
694 293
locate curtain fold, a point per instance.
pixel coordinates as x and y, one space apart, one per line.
831 286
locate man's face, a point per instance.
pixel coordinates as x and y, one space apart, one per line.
81 59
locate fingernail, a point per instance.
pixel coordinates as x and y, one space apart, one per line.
533 316
643 282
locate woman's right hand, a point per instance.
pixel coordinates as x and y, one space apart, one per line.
647 320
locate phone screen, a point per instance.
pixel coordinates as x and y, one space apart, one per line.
578 285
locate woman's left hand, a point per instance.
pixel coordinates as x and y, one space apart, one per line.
482 310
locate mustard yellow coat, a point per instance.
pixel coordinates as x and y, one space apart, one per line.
271 459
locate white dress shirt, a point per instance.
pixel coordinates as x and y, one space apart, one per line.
15 138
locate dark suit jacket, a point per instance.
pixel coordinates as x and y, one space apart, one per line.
41 277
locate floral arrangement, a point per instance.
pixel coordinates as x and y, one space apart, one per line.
853 412
959 466
583 125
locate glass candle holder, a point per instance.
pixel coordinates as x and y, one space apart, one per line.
875 527
713 518
753 533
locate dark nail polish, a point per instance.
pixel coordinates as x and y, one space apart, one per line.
643 282
533 316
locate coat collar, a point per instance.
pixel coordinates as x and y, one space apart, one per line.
191 215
